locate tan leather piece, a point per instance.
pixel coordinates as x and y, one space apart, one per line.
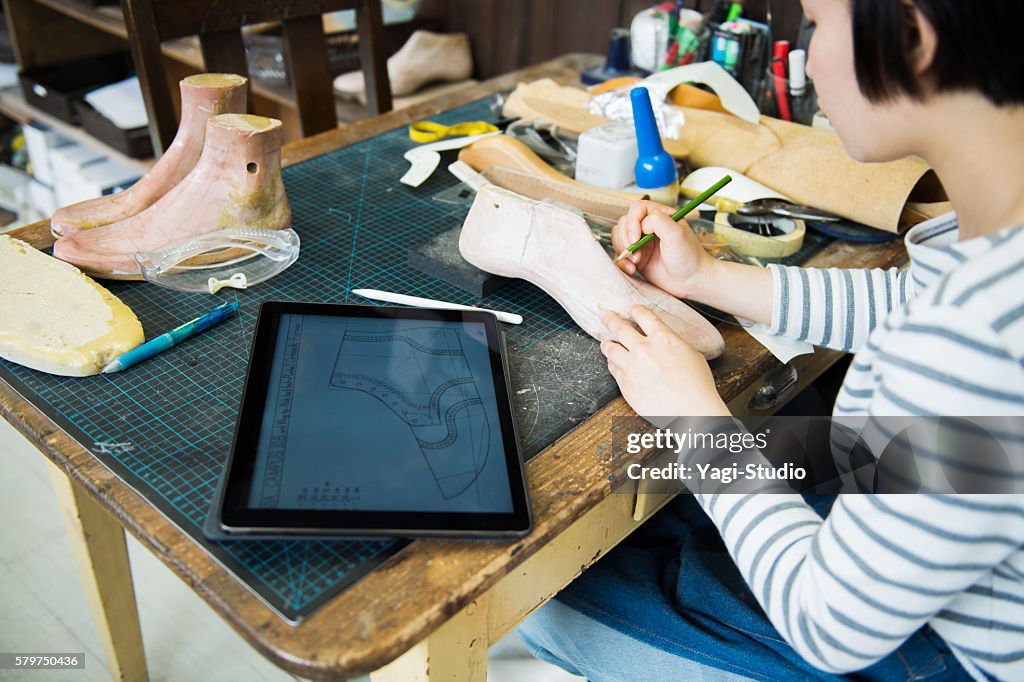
716 139
806 164
918 211
811 167
565 116
546 90
509 163
606 206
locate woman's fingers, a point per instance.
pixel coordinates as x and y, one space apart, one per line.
649 323
626 334
638 210
623 332
614 351
617 357
668 230
629 228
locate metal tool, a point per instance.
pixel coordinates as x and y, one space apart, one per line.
785 209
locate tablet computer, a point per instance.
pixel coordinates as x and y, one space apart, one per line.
373 421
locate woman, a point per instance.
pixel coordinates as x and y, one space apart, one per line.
909 586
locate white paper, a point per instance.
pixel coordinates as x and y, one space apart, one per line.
122 103
783 348
425 158
741 190
8 75
734 97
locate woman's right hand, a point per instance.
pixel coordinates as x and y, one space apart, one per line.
674 262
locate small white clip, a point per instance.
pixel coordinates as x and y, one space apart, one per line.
236 281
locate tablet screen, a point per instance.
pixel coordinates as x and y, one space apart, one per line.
363 420
378 414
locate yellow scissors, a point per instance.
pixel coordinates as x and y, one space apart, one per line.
428 131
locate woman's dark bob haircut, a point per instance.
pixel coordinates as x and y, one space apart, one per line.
980 47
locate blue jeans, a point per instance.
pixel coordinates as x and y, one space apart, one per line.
669 604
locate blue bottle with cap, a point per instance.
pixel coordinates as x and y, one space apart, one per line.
655 168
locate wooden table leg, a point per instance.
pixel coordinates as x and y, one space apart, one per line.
97 541
456 652
561 561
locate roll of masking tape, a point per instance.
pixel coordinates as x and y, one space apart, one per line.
741 233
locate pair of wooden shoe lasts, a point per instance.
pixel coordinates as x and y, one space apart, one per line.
222 170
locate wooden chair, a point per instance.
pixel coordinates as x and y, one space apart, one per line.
218 24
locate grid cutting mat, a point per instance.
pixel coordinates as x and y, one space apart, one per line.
165 426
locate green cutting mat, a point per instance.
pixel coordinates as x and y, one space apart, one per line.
165 426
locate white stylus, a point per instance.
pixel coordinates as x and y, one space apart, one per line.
388 297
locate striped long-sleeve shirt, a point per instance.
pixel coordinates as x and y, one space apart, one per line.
944 337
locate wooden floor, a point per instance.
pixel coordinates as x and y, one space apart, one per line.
44 608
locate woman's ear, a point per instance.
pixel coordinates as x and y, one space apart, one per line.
920 38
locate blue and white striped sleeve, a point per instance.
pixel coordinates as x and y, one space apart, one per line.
848 590
940 360
834 308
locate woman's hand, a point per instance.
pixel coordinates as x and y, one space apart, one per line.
674 262
660 375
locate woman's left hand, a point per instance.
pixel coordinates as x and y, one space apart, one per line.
660 375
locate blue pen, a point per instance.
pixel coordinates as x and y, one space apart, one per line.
176 335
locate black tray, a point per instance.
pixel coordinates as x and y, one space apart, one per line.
55 89
135 142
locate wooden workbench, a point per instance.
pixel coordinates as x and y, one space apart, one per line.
432 610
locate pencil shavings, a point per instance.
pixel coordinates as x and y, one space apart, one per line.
55 319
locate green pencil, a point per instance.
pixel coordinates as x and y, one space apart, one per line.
687 207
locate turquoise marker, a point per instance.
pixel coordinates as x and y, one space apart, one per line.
175 336
732 56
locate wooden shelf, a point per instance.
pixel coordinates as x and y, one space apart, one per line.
48 32
185 51
107 19
13 104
